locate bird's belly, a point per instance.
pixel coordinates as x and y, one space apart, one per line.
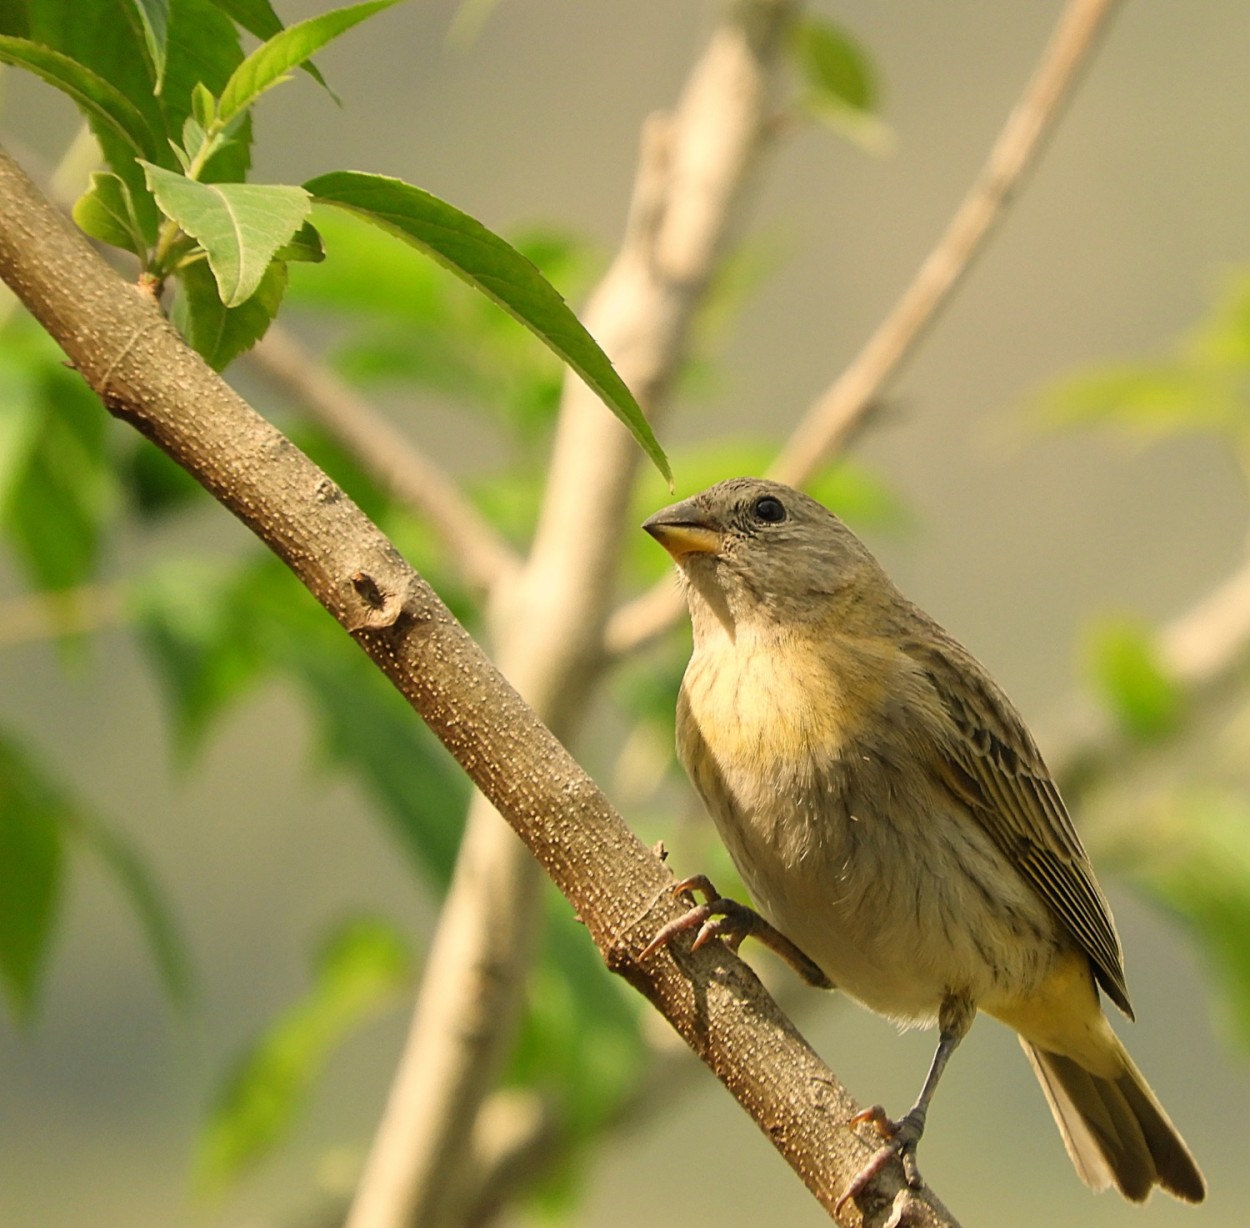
899 901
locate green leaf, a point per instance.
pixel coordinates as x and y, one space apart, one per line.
271 62
194 629
156 485
305 246
239 225
841 86
151 909
498 270
217 332
1196 861
204 49
93 94
32 815
59 505
107 212
258 18
19 414
1144 699
361 971
154 17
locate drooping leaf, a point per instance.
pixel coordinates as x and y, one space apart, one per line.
19 414
147 901
217 332
494 267
1131 679
239 225
273 60
362 970
93 94
32 816
107 212
154 16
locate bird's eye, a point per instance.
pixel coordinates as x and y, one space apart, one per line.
769 509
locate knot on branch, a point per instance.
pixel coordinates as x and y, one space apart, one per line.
380 606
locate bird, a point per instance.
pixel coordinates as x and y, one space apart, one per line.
895 824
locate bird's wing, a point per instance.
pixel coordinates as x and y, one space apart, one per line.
995 768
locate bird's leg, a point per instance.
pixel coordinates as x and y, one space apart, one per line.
903 1136
727 919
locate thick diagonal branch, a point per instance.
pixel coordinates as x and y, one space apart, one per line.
127 352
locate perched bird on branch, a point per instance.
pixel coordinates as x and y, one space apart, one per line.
895 824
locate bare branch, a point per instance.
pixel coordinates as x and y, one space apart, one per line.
131 357
836 415
51 613
400 467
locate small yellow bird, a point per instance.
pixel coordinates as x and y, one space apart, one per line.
892 817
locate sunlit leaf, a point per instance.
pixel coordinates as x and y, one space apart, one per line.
361 971
257 17
239 225
273 60
495 268
1131 679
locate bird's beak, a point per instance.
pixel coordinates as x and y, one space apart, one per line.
683 529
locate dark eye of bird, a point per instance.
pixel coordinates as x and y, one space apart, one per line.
769 509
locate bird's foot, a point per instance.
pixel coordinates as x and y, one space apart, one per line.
731 921
901 1139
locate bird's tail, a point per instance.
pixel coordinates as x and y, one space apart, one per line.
1115 1130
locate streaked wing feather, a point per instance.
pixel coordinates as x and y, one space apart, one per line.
999 773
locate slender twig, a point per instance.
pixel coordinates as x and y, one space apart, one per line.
830 421
131 357
480 554
49 614
548 620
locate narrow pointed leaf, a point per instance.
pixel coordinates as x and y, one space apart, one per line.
491 265
239 225
271 62
154 18
258 18
93 94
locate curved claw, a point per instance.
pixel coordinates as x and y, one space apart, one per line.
901 1140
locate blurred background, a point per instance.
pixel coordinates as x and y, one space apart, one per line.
1014 535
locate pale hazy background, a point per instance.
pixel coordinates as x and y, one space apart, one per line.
1137 208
